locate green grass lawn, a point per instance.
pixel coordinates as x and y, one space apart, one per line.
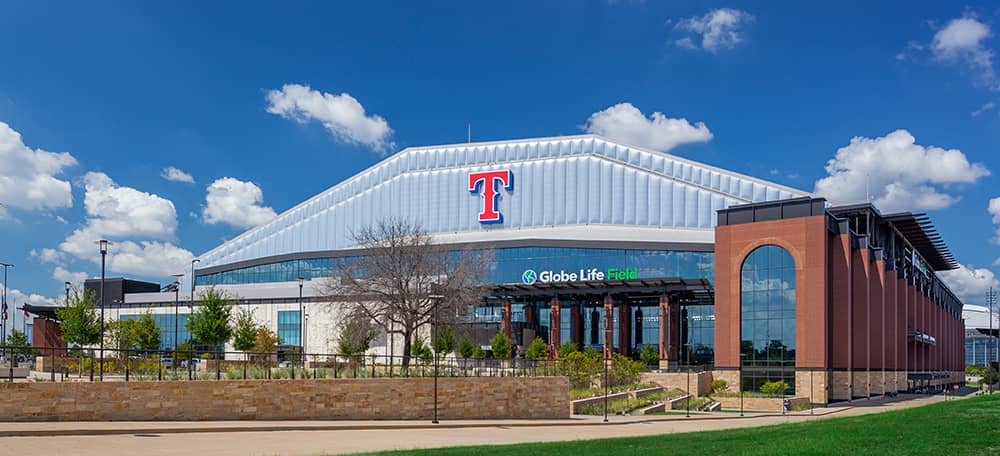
959 427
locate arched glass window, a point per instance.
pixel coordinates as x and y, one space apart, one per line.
767 317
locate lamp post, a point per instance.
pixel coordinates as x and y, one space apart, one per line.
437 301
688 413
607 323
67 293
104 254
3 298
741 382
302 324
177 297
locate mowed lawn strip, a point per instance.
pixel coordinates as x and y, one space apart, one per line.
959 427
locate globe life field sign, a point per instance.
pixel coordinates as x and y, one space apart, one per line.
530 276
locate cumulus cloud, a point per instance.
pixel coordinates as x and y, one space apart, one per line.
171 173
626 123
342 115
139 224
28 176
236 203
719 29
970 284
63 275
47 255
117 211
962 41
896 173
994 210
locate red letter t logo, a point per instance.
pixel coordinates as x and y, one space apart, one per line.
491 192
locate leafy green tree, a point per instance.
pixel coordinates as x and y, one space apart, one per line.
147 333
184 351
420 349
479 353
79 321
120 336
649 355
266 341
582 368
19 341
466 347
501 345
357 331
245 331
445 340
536 350
566 348
210 323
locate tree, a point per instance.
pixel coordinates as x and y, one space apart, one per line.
536 350
79 321
266 341
566 348
446 340
245 331
421 350
466 347
501 346
357 332
403 276
120 336
147 333
776 388
649 355
210 323
20 347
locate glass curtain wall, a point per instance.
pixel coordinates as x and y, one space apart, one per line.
767 317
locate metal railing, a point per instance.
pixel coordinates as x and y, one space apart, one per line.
75 364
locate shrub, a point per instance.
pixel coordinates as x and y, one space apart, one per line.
624 370
582 368
206 356
480 353
566 348
536 351
720 386
501 346
777 388
649 355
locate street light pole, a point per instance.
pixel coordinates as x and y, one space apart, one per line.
437 301
741 384
302 324
688 413
3 298
607 323
104 253
177 296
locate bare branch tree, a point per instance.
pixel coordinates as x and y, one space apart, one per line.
403 274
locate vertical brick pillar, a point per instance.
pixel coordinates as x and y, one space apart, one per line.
505 314
663 321
609 330
530 314
555 326
624 329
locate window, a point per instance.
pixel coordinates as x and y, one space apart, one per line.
290 327
767 317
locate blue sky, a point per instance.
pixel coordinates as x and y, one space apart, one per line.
256 93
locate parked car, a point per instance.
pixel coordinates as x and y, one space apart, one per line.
167 362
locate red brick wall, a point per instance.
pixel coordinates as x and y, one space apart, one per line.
806 239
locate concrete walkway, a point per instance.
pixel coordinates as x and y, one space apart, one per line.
334 437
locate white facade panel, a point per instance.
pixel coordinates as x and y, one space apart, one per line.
563 181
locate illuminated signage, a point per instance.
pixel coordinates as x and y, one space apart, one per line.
531 277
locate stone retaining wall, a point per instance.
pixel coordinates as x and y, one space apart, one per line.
701 382
322 399
769 404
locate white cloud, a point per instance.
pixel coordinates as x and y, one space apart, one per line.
626 123
986 107
970 284
16 298
63 275
897 173
47 255
961 41
236 203
171 173
116 211
129 218
342 115
994 210
27 176
719 29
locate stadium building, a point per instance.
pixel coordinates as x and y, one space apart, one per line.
618 247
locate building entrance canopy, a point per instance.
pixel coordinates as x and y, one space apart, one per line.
676 288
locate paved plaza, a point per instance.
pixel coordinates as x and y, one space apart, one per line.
338 437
